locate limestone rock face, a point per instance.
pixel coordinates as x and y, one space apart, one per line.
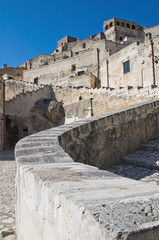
55 112
50 109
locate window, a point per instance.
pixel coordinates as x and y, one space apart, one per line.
110 24
121 39
84 45
118 23
106 27
128 25
126 67
81 73
123 24
35 80
133 26
73 68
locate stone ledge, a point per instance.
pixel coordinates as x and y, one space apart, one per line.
60 199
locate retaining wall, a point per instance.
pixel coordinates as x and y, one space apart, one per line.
60 199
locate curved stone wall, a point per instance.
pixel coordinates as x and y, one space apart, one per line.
60 199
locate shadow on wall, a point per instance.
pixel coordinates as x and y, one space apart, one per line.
32 112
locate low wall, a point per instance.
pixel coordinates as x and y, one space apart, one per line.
106 100
77 110
59 199
15 87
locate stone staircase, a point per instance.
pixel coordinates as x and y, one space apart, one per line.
141 165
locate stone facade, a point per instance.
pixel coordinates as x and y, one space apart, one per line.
118 30
122 44
140 58
12 73
74 57
31 112
2 114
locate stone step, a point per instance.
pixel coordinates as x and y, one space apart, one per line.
148 159
157 136
137 173
150 146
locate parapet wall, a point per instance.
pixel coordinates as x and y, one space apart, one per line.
15 87
59 199
99 101
24 102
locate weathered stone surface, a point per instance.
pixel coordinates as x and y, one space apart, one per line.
7 193
72 200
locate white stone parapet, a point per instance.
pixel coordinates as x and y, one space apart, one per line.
60 196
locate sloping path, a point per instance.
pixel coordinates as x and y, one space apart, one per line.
7 194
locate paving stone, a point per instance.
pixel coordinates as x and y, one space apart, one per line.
7 194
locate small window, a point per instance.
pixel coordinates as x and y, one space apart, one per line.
81 73
128 25
121 39
35 80
84 45
133 26
126 67
106 27
118 23
123 24
73 68
62 44
110 24
25 130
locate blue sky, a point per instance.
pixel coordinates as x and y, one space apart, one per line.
32 27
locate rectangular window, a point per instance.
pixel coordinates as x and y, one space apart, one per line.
73 68
126 67
84 45
81 73
35 80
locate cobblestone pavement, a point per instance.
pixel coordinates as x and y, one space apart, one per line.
7 194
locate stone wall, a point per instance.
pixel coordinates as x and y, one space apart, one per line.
153 30
58 198
121 130
139 56
14 87
32 112
62 71
1 114
117 30
103 100
77 110
15 73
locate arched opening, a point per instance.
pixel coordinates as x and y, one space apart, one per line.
110 24
106 27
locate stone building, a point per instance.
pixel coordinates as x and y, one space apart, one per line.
11 72
123 55
135 65
2 114
78 62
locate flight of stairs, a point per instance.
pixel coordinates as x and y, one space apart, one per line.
141 165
